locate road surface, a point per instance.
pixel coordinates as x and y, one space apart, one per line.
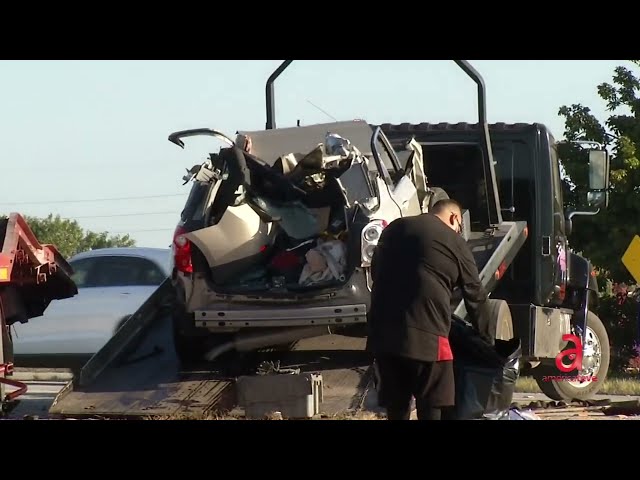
40 394
45 383
37 400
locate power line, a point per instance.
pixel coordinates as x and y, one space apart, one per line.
323 111
93 199
173 212
141 231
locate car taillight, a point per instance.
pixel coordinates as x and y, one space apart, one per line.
182 251
369 240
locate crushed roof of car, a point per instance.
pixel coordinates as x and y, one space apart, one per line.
269 145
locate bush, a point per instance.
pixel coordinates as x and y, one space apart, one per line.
618 308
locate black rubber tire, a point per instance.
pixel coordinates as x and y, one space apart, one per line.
191 344
189 349
564 391
499 311
438 194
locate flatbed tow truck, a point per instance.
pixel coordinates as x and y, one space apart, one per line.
138 373
31 275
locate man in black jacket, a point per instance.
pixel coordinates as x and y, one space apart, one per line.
418 263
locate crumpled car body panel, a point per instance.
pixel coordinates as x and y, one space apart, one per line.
270 145
319 185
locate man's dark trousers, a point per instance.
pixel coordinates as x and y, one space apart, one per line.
432 384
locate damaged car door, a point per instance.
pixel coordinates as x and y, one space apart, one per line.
398 190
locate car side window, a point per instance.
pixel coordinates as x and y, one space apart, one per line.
385 157
81 269
123 271
150 273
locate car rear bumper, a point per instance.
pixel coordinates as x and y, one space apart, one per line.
294 316
212 311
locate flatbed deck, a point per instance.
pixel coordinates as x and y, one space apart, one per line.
149 383
154 387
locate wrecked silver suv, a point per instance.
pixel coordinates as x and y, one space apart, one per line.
276 238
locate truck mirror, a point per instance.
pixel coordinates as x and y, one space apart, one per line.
598 170
598 199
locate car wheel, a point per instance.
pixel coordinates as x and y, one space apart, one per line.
191 344
189 349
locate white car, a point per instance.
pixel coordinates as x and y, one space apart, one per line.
112 284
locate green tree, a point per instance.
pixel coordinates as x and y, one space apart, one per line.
604 238
69 237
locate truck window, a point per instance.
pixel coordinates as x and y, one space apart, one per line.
458 169
503 156
515 175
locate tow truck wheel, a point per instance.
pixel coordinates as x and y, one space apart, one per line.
595 363
499 312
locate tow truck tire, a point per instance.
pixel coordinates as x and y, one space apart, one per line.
500 313
568 391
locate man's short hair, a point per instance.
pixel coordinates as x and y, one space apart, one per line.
445 204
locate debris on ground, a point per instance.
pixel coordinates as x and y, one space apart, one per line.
541 404
513 414
624 409
583 409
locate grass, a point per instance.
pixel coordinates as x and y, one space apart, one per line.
612 386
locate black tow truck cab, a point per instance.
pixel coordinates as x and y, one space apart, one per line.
548 287
507 176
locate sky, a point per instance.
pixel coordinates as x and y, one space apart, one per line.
88 139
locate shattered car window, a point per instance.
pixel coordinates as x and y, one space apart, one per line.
295 219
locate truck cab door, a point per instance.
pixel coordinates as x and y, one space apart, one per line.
557 244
